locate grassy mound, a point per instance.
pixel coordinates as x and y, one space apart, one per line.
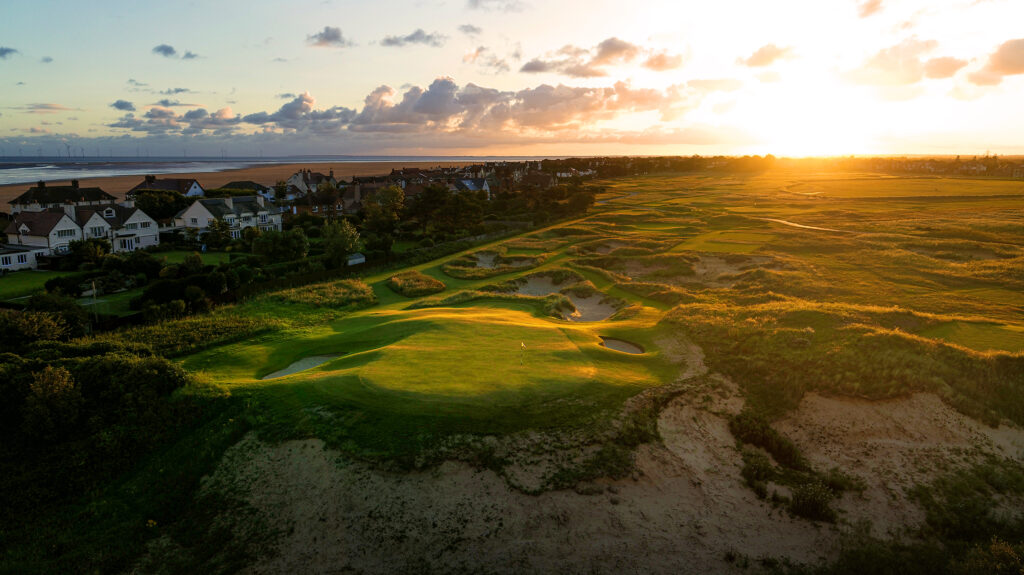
349 294
415 284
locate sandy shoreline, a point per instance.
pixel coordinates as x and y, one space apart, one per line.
263 174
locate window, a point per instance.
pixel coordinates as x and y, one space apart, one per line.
144 225
22 259
235 234
247 219
195 221
5 261
66 233
132 226
108 213
316 209
97 231
263 218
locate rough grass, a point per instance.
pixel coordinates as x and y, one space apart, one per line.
343 294
415 284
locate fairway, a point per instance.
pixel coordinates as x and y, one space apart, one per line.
476 358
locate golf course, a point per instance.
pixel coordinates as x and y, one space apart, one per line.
785 371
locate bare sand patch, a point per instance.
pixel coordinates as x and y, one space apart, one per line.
592 307
336 515
621 345
301 365
893 445
486 260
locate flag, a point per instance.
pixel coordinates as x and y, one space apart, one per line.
522 344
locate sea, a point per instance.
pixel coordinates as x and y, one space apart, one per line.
24 170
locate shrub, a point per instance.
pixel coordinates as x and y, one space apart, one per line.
750 427
53 404
811 501
351 294
415 284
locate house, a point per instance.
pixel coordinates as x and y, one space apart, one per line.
1018 172
49 232
13 258
328 203
127 228
308 181
473 185
43 197
252 187
239 212
185 186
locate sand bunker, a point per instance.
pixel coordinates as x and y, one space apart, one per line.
588 308
301 365
488 260
485 260
621 345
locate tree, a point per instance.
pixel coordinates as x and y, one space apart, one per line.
428 204
53 404
218 234
339 240
71 315
274 246
383 212
281 190
160 204
192 264
89 250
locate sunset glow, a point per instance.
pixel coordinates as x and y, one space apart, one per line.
794 77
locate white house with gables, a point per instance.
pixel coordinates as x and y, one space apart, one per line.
126 228
239 212
49 232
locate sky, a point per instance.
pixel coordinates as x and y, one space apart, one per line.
512 77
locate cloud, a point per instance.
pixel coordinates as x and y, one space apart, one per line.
46 60
1007 60
945 67
300 115
46 108
765 56
6 52
279 60
189 56
419 36
869 8
123 105
662 61
168 103
496 5
716 85
136 83
286 96
897 65
482 56
577 62
443 109
165 50
470 30
329 37
175 91
614 51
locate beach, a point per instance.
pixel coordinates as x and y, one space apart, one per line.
262 174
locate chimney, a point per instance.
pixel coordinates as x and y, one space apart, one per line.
259 200
40 184
69 209
229 203
74 184
332 173
150 179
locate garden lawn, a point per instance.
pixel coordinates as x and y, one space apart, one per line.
26 282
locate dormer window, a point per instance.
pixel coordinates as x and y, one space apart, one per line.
108 213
